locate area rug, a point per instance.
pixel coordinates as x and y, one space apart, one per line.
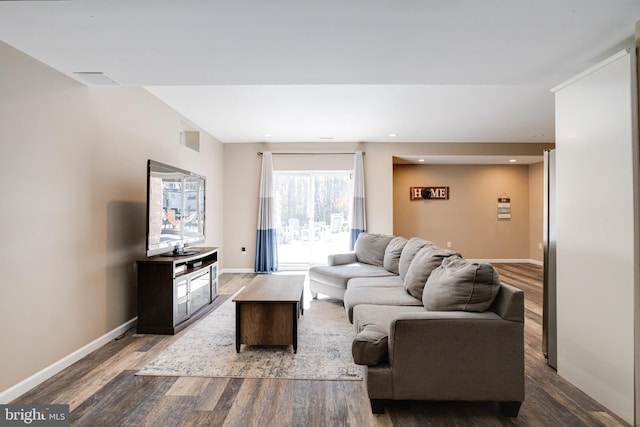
208 349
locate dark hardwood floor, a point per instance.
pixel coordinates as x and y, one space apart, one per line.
102 389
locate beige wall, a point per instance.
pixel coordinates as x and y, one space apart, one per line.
242 180
73 168
469 219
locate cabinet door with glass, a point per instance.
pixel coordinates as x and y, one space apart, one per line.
181 308
214 281
199 290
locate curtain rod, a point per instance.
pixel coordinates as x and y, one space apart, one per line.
309 154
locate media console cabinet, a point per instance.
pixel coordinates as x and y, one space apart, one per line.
174 291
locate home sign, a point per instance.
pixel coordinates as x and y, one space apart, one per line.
429 193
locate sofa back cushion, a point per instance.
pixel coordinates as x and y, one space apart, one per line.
426 260
392 254
459 284
370 248
409 251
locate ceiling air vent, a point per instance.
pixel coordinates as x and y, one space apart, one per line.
95 78
190 139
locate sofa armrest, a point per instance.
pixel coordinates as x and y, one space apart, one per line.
509 303
456 356
341 259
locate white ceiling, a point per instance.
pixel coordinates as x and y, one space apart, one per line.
335 70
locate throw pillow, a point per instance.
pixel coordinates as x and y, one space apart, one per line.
392 254
370 346
370 248
426 260
409 251
459 284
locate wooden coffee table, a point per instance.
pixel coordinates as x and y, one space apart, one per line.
267 311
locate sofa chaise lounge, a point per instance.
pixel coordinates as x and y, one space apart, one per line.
429 324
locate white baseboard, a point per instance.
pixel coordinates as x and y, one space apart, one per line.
24 386
306 267
237 270
283 268
508 261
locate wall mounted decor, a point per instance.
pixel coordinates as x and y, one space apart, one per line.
504 207
429 193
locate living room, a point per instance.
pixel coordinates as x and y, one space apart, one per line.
73 159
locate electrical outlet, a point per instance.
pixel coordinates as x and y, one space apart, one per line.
243 250
539 245
448 244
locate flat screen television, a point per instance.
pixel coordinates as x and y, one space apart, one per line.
175 210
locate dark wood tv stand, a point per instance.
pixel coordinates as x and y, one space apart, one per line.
175 291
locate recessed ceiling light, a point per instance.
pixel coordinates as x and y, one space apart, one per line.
267 135
512 160
326 137
393 135
421 160
538 135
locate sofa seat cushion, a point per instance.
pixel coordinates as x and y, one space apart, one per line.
370 346
375 282
377 296
459 284
339 275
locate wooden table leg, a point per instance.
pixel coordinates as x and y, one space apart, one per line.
302 303
295 327
238 305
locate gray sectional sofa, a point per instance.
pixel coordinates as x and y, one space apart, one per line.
429 324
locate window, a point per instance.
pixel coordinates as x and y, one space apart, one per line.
312 213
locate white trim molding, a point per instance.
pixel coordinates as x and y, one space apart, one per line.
297 267
591 70
237 271
24 386
508 261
